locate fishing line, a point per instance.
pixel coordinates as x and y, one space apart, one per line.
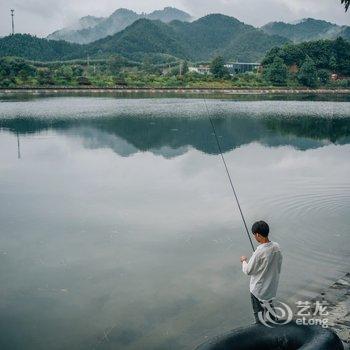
228 173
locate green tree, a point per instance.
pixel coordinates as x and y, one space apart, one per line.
23 74
277 72
12 68
292 54
120 80
65 72
115 63
184 68
45 77
8 83
218 69
333 63
78 71
308 73
324 76
83 81
346 4
270 56
341 48
333 55
147 64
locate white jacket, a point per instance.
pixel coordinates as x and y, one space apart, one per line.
264 267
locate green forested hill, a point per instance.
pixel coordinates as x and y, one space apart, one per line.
218 34
33 48
251 46
307 29
200 40
143 36
346 33
210 34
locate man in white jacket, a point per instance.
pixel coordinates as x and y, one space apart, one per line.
264 268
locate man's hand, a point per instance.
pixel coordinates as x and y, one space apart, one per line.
243 258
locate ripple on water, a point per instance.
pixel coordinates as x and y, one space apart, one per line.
315 201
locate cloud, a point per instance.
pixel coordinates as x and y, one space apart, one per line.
42 17
259 12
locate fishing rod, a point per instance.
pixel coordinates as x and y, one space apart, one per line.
228 173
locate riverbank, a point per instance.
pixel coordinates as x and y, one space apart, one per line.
198 91
337 299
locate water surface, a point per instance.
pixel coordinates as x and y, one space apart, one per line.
118 226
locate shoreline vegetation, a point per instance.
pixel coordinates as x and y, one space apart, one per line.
177 90
316 65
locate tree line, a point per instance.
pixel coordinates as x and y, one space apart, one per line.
310 64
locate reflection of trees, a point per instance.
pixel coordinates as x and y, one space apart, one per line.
153 133
332 130
178 132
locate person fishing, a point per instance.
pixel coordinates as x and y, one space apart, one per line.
264 268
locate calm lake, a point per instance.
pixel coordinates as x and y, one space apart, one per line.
118 226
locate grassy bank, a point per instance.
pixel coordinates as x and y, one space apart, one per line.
177 90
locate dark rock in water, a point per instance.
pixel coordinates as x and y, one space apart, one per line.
283 337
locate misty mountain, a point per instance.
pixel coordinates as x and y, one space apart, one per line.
74 33
199 40
169 14
87 31
345 33
307 29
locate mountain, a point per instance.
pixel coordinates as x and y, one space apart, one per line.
142 37
195 41
33 48
98 28
218 34
345 33
307 29
169 14
75 32
199 40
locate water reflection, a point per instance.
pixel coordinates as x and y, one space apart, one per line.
107 245
172 136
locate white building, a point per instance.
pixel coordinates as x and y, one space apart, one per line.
242 67
202 69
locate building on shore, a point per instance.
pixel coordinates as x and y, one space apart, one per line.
242 67
233 68
201 69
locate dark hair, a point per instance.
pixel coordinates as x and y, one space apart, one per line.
261 227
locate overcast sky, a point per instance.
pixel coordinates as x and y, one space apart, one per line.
42 17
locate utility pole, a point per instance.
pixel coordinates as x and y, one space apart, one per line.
13 21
